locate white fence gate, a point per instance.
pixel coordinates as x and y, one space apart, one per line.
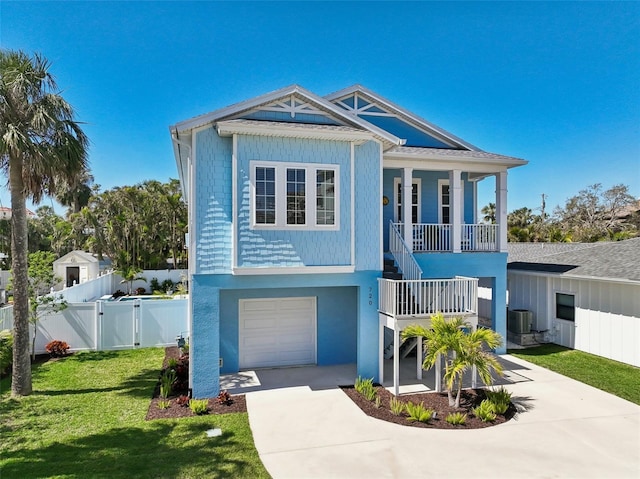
105 325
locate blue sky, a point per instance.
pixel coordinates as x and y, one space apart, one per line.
557 84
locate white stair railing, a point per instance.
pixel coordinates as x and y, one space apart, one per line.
403 257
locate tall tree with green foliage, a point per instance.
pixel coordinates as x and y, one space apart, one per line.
461 349
42 149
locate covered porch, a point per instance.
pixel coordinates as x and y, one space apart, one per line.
442 188
406 302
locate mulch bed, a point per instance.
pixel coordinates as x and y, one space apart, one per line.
237 402
439 402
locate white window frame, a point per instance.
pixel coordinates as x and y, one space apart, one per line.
555 305
414 181
281 195
441 183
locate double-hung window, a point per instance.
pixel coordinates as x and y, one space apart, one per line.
294 196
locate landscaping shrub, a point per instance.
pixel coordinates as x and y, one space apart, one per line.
140 291
485 411
166 383
57 349
118 294
366 388
164 404
6 350
183 400
167 285
500 399
456 418
224 398
198 406
417 412
396 406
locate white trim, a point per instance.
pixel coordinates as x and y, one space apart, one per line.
414 181
400 112
293 270
546 274
554 304
442 182
234 202
290 130
281 197
252 103
475 201
381 213
353 204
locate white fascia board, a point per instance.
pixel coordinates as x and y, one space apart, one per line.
447 164
421 122
292 270
450 155
275 95
182 152
547 274
265 128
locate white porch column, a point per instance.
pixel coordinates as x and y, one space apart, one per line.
501 210
407 200
455 209
396 360
419 358
381 351
439 373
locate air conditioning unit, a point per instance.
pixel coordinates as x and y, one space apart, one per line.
519 321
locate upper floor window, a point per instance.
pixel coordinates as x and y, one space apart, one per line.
294 195
265 196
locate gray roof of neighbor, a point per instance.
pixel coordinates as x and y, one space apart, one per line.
612 260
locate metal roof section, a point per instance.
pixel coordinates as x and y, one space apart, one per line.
421 123
445 154
610 260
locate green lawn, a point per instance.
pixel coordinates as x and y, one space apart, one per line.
86 419
616 378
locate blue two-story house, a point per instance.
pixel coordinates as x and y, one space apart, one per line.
296 202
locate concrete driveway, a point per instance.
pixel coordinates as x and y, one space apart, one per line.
304 427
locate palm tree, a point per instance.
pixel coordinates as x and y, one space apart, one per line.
42 148
460 348
489 213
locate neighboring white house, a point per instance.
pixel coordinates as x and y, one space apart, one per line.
584 296
78 267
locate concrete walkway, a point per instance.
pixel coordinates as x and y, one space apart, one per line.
565 429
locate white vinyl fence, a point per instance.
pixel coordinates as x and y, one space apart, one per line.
111 282
104 325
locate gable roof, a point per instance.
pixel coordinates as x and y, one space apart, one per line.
234 110
80 255
402 113
619 260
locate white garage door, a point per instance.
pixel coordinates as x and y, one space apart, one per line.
277 332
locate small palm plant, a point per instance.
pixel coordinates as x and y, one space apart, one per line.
461 350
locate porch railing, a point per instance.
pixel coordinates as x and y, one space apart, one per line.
479 237
436 237
425 297
404 259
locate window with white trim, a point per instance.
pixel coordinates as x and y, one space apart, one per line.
265 195
566 306
294 195
415 200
